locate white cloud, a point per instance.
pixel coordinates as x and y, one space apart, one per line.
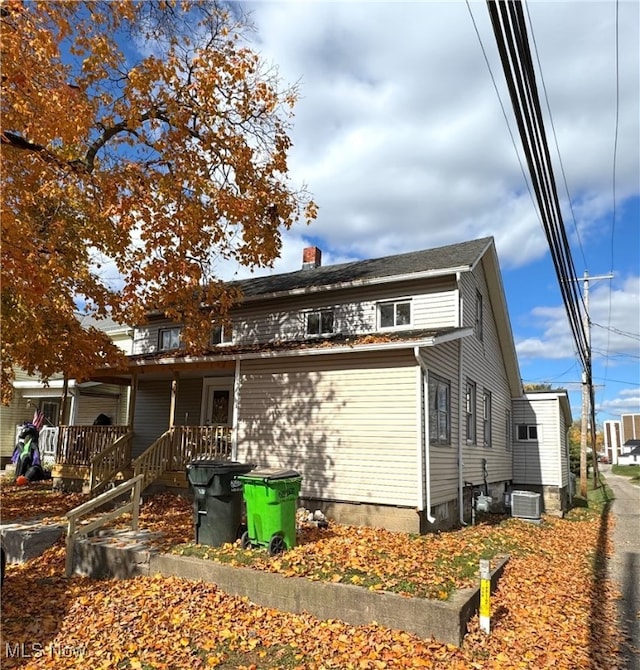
400 135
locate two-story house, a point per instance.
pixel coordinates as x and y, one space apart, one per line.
387 383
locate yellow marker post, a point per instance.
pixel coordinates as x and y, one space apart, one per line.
485 595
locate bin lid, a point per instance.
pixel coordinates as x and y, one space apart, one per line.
273 473
219 466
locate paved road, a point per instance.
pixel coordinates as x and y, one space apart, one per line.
624 565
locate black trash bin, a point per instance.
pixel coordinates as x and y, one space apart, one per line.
217 500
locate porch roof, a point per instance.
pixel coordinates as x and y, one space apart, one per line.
335 344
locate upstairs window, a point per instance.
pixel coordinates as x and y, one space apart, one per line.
394 314
169 338
320 322
221 335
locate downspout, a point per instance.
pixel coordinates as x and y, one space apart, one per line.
234 416
461 396
425 440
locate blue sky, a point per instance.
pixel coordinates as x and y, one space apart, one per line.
400 136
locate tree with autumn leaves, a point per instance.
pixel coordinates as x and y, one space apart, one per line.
141 141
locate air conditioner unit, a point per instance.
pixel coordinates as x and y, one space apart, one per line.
525 505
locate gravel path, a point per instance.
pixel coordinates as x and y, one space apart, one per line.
624 565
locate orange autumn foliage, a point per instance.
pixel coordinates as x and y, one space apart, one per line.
141 144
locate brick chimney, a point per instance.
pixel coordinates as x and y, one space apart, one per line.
311 258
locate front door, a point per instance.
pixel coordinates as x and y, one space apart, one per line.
217 402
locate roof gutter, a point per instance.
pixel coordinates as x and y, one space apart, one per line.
424 438
319 351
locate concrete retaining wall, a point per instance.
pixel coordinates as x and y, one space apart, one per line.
445 621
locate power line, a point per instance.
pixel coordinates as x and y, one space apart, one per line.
555 137
613 181
510 30
624 333
504 112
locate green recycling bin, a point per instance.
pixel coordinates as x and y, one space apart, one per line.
271 495
217 500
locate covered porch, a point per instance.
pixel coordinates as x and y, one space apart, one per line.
176 413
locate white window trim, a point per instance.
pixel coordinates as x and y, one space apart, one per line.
527 426
487 423
226 336
394 301
474 412
319 312
161 331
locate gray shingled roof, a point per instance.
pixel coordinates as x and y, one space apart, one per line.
460 255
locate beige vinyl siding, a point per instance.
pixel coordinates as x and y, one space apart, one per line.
347 423
442 360
89 406
13 415
538 461
483 364
434 306
188 402
152 413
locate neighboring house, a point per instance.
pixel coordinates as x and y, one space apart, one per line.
631 454
540 447
387 383
630 430
612 440
83 403
619 436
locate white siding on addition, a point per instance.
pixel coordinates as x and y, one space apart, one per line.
537 461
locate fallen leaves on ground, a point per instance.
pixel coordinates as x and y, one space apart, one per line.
553 608
37 501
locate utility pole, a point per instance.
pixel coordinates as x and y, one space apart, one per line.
587 388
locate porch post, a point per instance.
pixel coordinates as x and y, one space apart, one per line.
132 400
174 393
63 403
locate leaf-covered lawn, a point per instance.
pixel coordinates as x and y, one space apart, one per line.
552 608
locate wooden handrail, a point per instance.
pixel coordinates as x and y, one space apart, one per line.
133 506
155 460
108 462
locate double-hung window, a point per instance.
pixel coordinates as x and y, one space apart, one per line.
394 314
169 338
486 418
439 410
470 412
320 322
